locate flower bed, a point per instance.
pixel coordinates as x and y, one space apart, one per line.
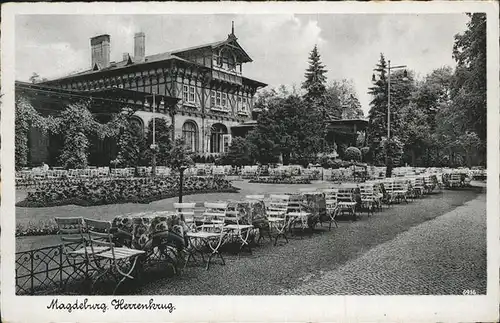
281 180
100 191
43 227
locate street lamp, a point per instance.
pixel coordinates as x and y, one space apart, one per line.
405 78
154 146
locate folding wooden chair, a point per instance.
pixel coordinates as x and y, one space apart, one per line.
277 216
369 197
117 262
298 216
332 208
74 245
346 201
211 235
239 231
187 214
400 190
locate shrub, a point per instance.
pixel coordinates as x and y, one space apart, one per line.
99 191
352 153
238 154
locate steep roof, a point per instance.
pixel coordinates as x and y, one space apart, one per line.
231 41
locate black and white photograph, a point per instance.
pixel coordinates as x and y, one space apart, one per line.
249 151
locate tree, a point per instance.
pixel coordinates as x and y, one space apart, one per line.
468 89
377 123
162 139
261 147
402 87
239 153
293 128
315 78
341 100
75 123
131 145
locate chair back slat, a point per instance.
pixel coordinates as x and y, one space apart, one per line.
214 213
186 211
278 204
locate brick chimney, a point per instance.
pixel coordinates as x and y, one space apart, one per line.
139 47
100 48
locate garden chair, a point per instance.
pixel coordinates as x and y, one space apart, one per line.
187 214
369 197
212 234
277 215
419 186
388 190
118 262
400 190
346 203
71 232
214 214
428 184
237 230
455 180
298 216
332 208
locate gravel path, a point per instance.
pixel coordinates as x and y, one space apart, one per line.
356 252
444 256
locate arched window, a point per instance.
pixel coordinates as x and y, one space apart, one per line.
216 137
190 135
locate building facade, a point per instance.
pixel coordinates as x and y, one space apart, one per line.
212 96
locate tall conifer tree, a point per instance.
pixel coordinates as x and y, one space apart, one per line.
315 78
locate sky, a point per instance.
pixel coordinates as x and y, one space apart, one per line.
349 44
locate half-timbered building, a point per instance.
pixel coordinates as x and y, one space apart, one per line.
201 90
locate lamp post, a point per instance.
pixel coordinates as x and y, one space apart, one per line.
405 78
154 146
181 181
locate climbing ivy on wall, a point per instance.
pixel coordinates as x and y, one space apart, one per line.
75 124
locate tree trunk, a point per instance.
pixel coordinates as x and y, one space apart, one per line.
413 157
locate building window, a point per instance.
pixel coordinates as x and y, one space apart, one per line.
224 100
218 99
216 137
244 106
190 135
212 98
238 104
188 94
